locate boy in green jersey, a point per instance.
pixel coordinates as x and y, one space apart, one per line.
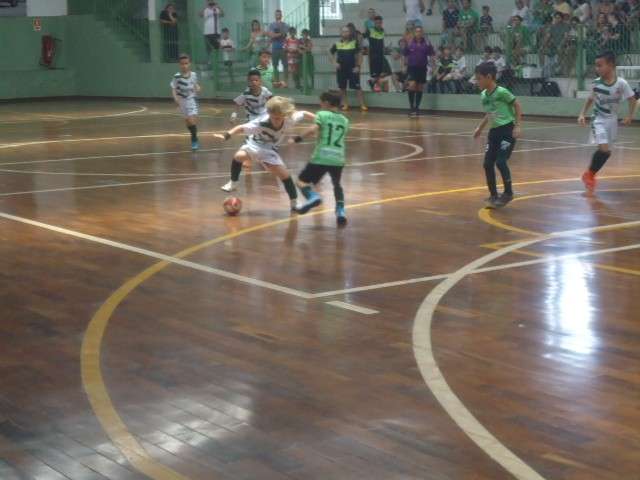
328 157
504 114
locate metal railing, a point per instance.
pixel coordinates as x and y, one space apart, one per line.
129 20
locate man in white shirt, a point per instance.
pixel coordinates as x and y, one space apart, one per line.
212 14
414 10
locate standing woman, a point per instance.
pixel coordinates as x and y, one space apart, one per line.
169 22
258 42
419 53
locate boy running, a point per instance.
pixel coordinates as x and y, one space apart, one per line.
185 87
328 157
504 114
265 135
607 92
253 99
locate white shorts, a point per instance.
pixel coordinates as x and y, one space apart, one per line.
189 107
262 155
604 131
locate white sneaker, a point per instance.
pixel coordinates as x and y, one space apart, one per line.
230 186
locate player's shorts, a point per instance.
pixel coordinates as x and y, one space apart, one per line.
189 107
314 172
379 68
417 74
604 131
262 155
349 77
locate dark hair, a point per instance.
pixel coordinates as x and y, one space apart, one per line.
306 31
293 30
608 56
184 56
254 72
332 97
265 52
485 7
225 29
488 49
518 17
254 21
487 69
497 50
377 17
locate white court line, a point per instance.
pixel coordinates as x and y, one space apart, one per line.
433 377
504 266
160 256
352 307
111 115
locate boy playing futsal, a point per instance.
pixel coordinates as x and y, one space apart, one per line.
607 92
329 155
265 134
504 115
254 98
185 87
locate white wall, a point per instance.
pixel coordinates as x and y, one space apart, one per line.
46 8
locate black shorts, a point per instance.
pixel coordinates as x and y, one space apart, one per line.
379 67
500 142
313 173
417 74
348 77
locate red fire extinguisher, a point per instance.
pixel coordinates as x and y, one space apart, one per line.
48 51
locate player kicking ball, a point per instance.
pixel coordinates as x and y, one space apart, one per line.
607 92
328 157
265 135
185 87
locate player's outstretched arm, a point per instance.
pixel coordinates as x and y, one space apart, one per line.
309 132
230 133
587 105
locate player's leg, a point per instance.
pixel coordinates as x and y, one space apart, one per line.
309 177
490 158
411 92
236 168
191 121
354 84
280 171
342 80
336 174
507 144
601 133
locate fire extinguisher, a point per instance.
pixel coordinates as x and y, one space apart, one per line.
48 52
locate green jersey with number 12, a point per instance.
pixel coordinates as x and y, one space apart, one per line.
330 146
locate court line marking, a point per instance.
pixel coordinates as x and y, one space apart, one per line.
434 378
504 266
159 256
352 307
141 109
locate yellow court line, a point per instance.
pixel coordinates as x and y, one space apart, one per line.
485 215
93 380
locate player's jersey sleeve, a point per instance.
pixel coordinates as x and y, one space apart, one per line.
267 93
297 117
173 83
627 91
321 118
240 100
506 96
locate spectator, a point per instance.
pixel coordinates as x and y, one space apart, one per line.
569 47
419 54
307 59
519 40
450 17
459 73
347 59
278 34
441 80
522 11
378 65
357 35
485 27
293 46
169 22
467 24
414 9
258 41
564 8
370 21
212 14
542 13
552 41
399 66
430 9
633 19
582 11
500 61
228 47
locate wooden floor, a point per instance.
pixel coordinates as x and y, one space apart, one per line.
146 335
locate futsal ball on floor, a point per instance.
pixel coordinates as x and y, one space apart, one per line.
232 206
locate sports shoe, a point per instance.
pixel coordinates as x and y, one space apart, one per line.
492 202
230 186
412 113
314 201
364 108
195 145
345 108
429 12
341 218
504 199
589 180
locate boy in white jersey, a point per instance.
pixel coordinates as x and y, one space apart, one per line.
185 87
254 98
266 134
607 92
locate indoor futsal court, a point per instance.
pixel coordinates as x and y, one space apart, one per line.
146 334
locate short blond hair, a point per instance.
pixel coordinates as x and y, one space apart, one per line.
281 105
